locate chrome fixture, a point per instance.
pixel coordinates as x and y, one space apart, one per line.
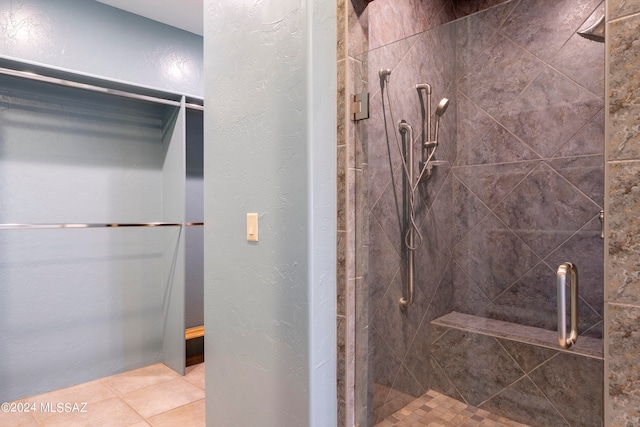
601 218
567 269
360 106
412 240
440 110
409 239
384 74
429 143
596 32
426 121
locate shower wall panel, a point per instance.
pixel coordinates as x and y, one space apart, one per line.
526 154
529 178
399 338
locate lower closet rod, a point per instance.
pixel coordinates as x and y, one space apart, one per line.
89 225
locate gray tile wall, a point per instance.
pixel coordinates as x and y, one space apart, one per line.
529 176
622 261
534 385
398 340
506 152
399 371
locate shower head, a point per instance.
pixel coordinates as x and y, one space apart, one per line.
442 107
596 32
384 74
440 110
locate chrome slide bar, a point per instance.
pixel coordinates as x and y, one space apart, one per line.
571 270
94 88
407 135
87 225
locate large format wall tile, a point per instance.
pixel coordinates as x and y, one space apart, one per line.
544 210
468 7
585 173
575 385
624 372
410 17
624 232
468 210
550 111
476 364
523 402
585 249
589 140
472 124
498 145
624 84
494 256
528 356
499 75
532 301
492 183
467 296
582 60
545 387
543 26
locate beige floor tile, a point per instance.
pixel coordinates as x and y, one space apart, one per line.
90 392
113 412
140 424
195 375
17 419
191 415
163 397
140 378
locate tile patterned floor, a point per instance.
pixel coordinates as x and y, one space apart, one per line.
152 396
437 410
156 396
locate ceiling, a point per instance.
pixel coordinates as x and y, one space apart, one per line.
184 14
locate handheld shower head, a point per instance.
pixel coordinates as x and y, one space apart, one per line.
384 74
440 110
442 107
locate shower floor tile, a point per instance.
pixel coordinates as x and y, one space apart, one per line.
433 409
147 397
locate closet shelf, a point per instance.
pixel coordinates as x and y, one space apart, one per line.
87 225
191 102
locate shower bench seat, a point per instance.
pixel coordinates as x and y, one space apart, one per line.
517 371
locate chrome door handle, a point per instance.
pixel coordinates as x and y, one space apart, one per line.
567 269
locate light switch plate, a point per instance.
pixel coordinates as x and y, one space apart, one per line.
252 227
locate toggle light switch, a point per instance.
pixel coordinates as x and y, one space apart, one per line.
252 227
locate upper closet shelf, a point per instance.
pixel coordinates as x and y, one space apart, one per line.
96 225
94 84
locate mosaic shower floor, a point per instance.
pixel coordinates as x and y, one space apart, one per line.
437 410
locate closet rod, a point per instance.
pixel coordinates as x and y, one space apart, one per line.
189 224
93 88
89 225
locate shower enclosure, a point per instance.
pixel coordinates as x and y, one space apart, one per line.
517 191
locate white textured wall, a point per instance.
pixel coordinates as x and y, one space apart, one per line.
270 148
93 38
